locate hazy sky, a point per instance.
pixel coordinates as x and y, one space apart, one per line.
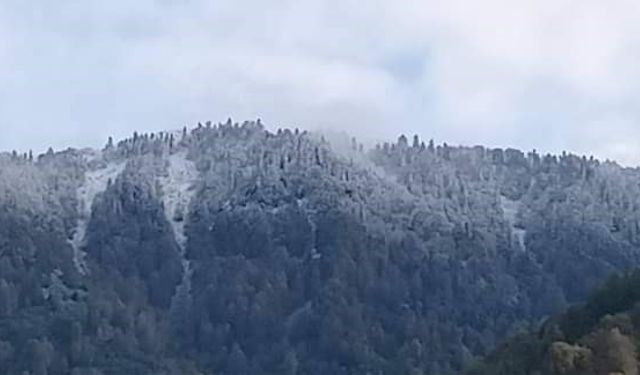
544 74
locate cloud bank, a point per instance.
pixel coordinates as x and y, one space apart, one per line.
550 75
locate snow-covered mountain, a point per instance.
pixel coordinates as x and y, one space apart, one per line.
230 249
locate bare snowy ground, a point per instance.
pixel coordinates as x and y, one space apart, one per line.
177 188
510 210
95 182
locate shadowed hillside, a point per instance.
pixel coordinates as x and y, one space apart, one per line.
597 337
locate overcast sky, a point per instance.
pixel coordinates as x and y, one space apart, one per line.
543 74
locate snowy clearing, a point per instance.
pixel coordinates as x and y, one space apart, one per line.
177 192
95 182
510 210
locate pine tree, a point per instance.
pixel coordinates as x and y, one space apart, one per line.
238 363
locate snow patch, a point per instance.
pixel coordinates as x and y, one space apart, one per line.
303 203
177 187
95 182
315 255
510 210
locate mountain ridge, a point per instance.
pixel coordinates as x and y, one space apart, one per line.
275 253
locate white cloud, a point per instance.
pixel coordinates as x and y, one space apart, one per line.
541 74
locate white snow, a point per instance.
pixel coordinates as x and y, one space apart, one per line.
315 255
177 188
303 203
95 182
177 193
510 210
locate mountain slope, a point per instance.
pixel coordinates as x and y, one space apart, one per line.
229 249
598 337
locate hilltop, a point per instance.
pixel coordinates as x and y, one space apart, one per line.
231 249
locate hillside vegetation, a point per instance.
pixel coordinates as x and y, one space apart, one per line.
597 337
231 249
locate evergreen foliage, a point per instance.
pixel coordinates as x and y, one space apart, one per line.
294 255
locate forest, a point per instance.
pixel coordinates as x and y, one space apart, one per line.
231 249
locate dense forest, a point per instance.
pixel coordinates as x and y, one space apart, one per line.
596 337
232 249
